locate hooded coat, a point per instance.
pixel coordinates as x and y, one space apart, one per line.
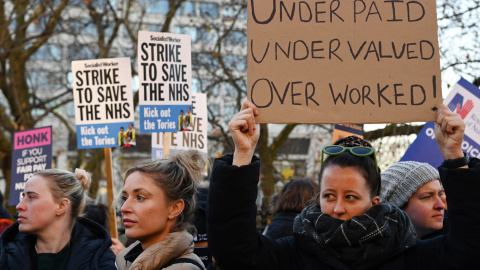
89 248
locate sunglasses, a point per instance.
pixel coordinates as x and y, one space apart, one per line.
358 151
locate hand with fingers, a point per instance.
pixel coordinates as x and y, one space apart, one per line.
465 109
245 133
117 246
449 131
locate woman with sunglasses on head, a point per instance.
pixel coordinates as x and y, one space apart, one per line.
49 233
349 228
158 208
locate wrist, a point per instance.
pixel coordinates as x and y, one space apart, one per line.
241 158
453 153
453 163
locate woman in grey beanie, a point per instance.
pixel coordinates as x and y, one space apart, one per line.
415 188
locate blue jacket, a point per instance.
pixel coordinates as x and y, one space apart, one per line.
90 248
235 243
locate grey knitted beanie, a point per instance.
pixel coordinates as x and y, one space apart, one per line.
402 179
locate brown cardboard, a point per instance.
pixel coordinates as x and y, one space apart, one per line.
341 47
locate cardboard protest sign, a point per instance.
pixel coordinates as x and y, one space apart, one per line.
165 75
195 139
343 61
32 152
464 99
345 130
102 93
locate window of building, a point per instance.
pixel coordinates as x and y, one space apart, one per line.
214 110
205 86
45 79
186 30
84 27
82 52
196 85
229 113
204 60
187 9
229 12
154 27
209 10
235 62
48 52
71 109
207 35
230 90
158 7
236 37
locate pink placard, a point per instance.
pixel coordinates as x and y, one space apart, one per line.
32 138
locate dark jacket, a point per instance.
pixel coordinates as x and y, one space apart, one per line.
90 248
4 214
5 220
281 225
235 244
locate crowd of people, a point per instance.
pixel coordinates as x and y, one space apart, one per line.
354 217
185 121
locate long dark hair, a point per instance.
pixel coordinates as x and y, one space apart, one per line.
295 195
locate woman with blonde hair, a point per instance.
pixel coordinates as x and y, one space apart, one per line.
158 208
49 233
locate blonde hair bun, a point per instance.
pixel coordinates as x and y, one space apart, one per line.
84 178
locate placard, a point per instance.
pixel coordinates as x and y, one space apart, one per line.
32 152
195 139
103 97
343 61
344 130
465 100
165 75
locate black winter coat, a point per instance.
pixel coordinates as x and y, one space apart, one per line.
281 225
90 248
235 243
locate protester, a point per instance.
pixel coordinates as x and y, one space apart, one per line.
188 119
200 223
415 187
349 228
159 204
98 213
121 137
289 202
180 121
49 233
5 218
130 135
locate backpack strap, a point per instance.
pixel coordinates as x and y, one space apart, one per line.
184 260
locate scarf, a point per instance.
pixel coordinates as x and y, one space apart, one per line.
362 242
175 245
